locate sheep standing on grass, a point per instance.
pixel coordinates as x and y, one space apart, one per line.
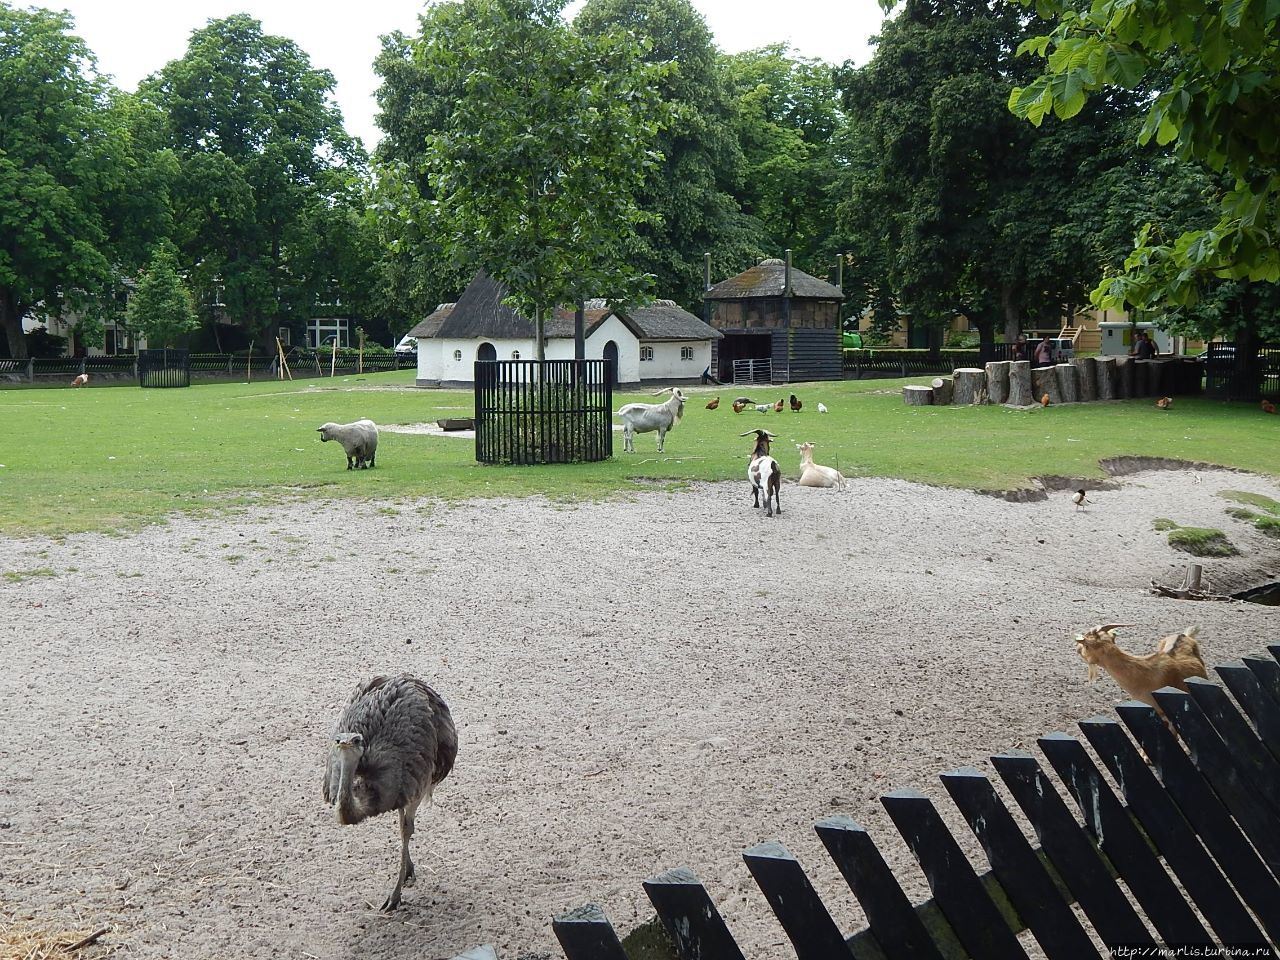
648 417
359 440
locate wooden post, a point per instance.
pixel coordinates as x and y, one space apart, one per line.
1105 368
284 364
1020 383
360 354
917 396
1044 380
998 381
248 364
942 391
1141 378
1087 378
1068 382
1124 378
333 357
970 386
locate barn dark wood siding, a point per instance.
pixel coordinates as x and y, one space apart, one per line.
778 354
814 354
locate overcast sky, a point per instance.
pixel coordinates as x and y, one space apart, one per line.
132 38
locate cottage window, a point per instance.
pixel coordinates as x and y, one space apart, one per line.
646 353
457 356
686 353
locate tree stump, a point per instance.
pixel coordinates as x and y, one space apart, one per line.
1162 381
942 391
970 386
1019 383
1106 370
1045 380
1087 375
998 381
914 396
1141 378
1068 382
1124 378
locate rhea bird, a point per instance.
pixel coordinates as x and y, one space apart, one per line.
393 744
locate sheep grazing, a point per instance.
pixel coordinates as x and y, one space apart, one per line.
763 473
648 417
1176 657
814 474
359 440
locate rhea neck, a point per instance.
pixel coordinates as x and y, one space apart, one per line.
346 759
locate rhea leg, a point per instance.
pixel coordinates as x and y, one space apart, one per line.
406 874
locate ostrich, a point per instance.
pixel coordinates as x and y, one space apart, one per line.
393 743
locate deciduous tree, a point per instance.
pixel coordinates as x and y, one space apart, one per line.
160 307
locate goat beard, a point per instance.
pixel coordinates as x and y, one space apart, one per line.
1093 673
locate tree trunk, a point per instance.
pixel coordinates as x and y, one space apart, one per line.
1020 383
1124 378
998 381
1106 371
11 321
1087 375
986 339
971 386
1044 382
914 396
1141 378
1068 382
1246 369
942 391
539 330
1012 322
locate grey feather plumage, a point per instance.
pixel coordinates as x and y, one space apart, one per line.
405 740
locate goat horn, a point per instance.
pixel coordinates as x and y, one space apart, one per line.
662 391
1108 627
751 433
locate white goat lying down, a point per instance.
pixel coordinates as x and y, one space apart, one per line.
815 474
648 417
359 440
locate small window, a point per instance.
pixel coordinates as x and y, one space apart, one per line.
646 353
686 353
515 354
457 356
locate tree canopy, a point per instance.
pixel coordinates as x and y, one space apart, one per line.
160 309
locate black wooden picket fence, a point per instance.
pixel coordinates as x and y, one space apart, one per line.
553 411
1194 837
1254 377
164 368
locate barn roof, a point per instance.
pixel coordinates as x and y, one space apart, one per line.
767 278
429 326
480 312
659 320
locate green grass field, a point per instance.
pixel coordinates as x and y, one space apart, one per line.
107 458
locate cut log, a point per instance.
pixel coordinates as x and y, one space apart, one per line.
1068 382
1087 374
1141 378
1044 380
942 390
917 396
970 386
1163 380
1124 378
1106 369
1190 589
998 381
1020 383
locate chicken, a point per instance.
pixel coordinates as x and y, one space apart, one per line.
1044 401
745 401
738 406
822 407
713 404
796 404
1079 499
1268 406
1176 657
1164 403
81 380
763 408
777 407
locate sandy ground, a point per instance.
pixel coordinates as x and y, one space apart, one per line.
660 680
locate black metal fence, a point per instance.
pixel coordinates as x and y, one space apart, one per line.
1234 376
554 411
164 368
1191 842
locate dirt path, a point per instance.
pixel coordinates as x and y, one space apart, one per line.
638 684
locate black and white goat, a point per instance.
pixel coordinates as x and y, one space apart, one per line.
648 417
764 473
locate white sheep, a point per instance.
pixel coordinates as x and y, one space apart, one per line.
359 440
814 474
648 417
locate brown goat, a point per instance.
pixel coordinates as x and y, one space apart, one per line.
1176 657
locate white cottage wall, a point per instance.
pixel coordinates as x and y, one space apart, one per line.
668 361
628 348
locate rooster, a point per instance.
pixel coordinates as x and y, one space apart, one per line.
738 406
713 404
1164 403
777 407
796 404
81 380
1268 406
1044 401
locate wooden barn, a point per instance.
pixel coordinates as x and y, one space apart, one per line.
780 325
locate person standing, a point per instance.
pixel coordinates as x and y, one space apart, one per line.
1044 352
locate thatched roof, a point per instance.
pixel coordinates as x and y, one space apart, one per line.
480 312
767 279
429 326
659 320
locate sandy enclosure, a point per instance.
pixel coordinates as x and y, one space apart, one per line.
659 680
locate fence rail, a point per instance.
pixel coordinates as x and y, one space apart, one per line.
302 363
1191 842
553 411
